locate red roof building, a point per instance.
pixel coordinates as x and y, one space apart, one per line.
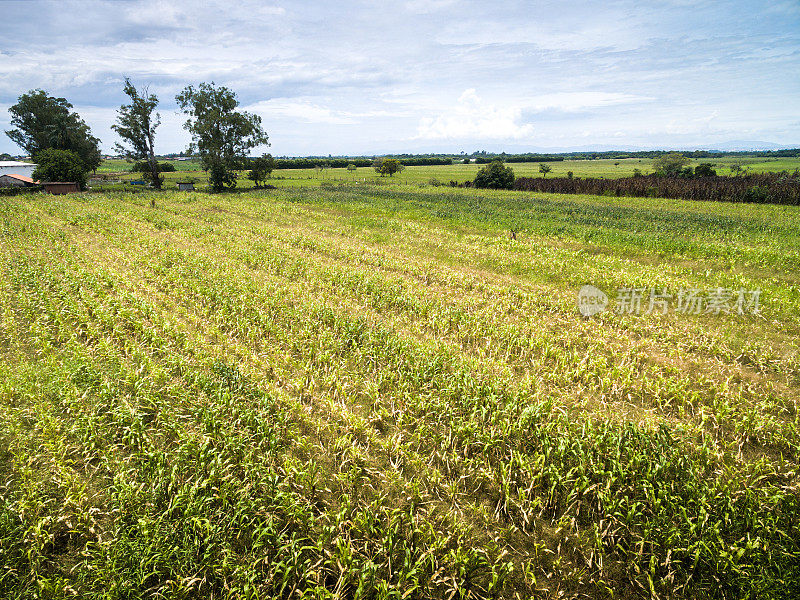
14 180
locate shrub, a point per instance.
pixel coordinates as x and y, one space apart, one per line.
704 170
260 169
60 165
758 194
496 176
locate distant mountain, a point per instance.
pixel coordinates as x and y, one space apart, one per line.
744 146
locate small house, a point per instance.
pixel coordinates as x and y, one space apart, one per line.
60 187
185 186
8 167
15 180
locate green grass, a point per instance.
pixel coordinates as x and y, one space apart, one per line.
372 392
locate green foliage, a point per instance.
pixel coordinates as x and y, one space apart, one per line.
387 166
758 194
260 169
220 175
544 169
221 134
495 175
136 125
60 165
671 164
704 170
42 122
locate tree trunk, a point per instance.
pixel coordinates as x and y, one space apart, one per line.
151 158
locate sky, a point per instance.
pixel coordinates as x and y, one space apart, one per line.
364 78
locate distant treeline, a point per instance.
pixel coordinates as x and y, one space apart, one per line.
483 157
330 163
520 158
764 188
614 154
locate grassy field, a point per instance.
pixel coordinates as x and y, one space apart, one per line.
460 173
372 392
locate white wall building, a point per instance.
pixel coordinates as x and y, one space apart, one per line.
9 167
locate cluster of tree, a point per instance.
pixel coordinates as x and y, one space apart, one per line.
495 176
676 164
62 144
776 188
222 136
56 137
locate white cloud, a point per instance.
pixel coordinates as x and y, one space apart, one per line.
424 7
472 118
302 111
353 77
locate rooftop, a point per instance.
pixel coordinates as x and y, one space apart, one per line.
20 177
15 163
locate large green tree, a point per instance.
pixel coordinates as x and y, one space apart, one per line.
495 175
221 134
136 125
42 121
387 166
672 164
60 165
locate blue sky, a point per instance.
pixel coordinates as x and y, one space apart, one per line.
353 77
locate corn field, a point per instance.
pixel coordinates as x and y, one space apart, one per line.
373 392
774 188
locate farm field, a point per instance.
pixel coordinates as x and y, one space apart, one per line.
373 392
445 173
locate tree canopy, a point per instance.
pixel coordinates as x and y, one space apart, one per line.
221 134
60 165
388 166
136 125
495 175
44 122
673 163
260 169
